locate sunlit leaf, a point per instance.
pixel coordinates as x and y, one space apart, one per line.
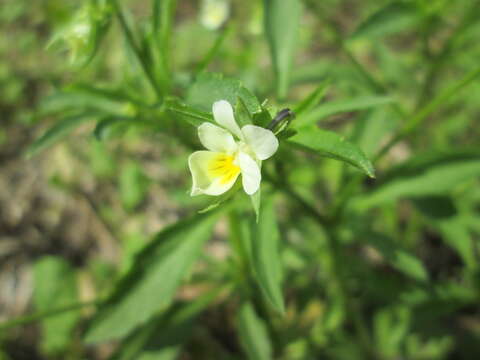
150 285
329 144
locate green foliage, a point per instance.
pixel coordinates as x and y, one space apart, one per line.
322 262
253 334
57 132
158 269
55 286
282 21
336 107
210 87
265 256
392 18
424 176
329 144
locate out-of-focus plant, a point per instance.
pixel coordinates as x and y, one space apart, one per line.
82 35
334 253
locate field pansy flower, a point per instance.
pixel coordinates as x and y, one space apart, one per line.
231 152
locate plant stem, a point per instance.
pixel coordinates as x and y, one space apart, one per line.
136 50
22 320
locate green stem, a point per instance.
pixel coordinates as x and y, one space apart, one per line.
45 314
136 50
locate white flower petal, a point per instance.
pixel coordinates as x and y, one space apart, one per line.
206 181
223 115
262 141
251 174
215 138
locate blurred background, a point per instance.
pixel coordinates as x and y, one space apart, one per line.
76 208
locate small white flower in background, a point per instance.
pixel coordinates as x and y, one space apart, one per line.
214 13
231 151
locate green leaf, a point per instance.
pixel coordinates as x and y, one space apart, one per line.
55 286
423 176
163 336
57 132
341 106
329 144
282 21
453 226
390 19
313 99
211 87
372 126
399 258
193 116
81 97
242 115
150 285
391 325
110 127
265 254
253 334
262 118
133 185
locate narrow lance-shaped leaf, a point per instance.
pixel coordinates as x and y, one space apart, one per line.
313 99
153 279
253 334
341 106
265 255
332 145
399 258
193 116
282 21
163 336
435 178
392 18
58 131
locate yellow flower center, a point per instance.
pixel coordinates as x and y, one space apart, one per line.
223 167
